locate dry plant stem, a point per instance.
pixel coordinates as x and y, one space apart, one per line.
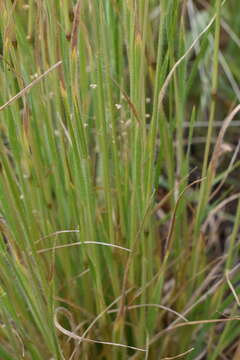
206 187
127 98
169 237
154 279
75 306
200 322
166 308
74 336
176 65
11 67
168 195
59 232
211 291
237 352
29 86
224 24
217 209
210 277
227 172
220 261
211 171
173 219
217 124
178 356
215 66
174 324
147 348
76 21
121 311
74 244
232 288
86 271
82 243
8 24
200 356
217 149
98 317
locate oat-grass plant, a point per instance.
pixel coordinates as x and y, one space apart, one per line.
119 179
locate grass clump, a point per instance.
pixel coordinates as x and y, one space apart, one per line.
119 183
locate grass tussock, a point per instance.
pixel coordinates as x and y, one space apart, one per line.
119 179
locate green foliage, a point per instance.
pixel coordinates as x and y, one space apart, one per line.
118 206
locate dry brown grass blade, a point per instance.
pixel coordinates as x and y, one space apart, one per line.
74 244
162 307
173 219
29 86
167 196
178 63
97 318
10 21
82 243
202 322
217 148
121 311
127 98
74 336
211 291
217 209
237 353
56 233
219 187
232 288
76 21
178 356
